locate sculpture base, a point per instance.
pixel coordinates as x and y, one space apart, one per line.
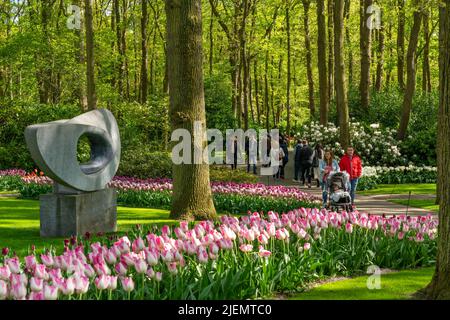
65 215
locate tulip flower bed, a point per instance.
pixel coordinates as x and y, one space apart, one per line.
228 197
251 257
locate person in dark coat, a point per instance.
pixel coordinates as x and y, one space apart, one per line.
297 164
306 160
285 160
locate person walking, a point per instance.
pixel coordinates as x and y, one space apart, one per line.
297 165
317 156
285 160
328 165
251 149
277 153
352 164
306 158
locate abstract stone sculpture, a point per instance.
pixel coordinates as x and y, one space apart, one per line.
79 202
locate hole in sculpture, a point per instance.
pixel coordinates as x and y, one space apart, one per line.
94 152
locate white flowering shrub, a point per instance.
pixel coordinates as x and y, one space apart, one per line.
375 146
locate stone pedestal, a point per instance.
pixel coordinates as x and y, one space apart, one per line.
64 215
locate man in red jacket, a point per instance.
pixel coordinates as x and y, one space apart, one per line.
351 163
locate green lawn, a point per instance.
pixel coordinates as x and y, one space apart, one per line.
394 286
429 188
424 204
19 223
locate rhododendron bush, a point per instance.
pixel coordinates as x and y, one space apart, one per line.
254 256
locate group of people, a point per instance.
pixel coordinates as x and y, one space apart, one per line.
320 164
309 164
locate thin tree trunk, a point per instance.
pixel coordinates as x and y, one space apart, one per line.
144 56
255 79
192 197
341 85
288 63
90 60
348 42
401 44
331 64
81 90
321 62
439 288
266 90
211 43
365 49
411 73
309 71
426 72
380 56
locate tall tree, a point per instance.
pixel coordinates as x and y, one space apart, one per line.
365 43
410 71
401 44
192 197
309 71
426 71
380 56
289 76
341 84
90 60
321 62
439 288
144 52
331 63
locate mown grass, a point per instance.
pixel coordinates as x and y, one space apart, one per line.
19 224
382 189
418 203
394 286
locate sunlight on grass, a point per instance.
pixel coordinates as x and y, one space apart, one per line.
19 224
424 204
428 188
394 286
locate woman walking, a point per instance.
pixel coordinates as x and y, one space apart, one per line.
327 166
317 156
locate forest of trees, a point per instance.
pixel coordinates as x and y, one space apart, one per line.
283 61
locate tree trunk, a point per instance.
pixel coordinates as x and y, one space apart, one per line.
192 197
401 44
211 43
81 90
255 79
439 288
331 64
321 62
288 63
144 57
348 42
426 72
365 43
90 61
411 73
309 71
341 85
266 90
380 57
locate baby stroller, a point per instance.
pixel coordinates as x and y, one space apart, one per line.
338 190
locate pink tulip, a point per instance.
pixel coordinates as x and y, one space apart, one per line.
307 246
36 284
102 282
13 264
112 283
349 227
138 245
30 262
246 248
184 226
141 266
165 230
158 276
18 278
401 235
18 291
36 296
263 239
50 292
67 287
47 260
81 284
102 269
173 268
4 273
110 257
3 290
121 268
264 253
202 255
150 273
88 270
152 257
127 284
214 248
40 271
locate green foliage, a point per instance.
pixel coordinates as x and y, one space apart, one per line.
218 103
217 173
10 183
143 163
